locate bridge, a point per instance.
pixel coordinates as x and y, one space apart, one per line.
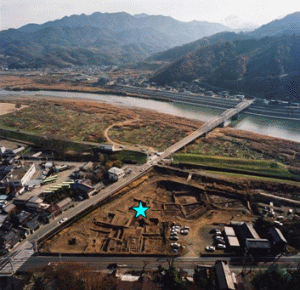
10 264
207 127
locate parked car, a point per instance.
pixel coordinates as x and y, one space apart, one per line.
175 238
220 246
210 249
61 221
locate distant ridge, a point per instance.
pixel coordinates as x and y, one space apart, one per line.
109 38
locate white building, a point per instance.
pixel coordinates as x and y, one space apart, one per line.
115 173
21 175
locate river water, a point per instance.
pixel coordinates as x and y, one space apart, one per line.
282 128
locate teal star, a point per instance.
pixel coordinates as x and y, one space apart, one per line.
140 210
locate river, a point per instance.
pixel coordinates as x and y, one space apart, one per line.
282 128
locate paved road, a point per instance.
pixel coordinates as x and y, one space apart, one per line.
153 262
93 202
195 99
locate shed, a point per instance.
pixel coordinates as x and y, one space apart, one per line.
258 247
65 204
229 231
277 239
224 276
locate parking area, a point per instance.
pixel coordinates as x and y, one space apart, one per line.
61 176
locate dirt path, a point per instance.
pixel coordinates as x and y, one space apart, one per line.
121 124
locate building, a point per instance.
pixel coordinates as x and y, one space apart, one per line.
34 203
258 247
32 225
9 209
65 204
53 209
15 151
84 188
277 240
114 174
11 238
23 217
225 278
231 239
245 231
22 174
107 147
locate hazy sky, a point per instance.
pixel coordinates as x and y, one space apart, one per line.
16 13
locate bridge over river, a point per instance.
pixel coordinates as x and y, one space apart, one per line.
11 263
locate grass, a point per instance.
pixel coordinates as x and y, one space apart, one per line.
131 157
258 167
239 175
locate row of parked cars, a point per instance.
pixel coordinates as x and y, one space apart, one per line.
219 241
175 230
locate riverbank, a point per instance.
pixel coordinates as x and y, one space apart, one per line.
93 121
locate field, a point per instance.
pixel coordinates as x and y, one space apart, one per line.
259 167
87 121
228 142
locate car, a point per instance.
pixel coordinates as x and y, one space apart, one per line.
215 231
210 249
175 238
220 242
184 232
142 169
112 266
220 246
218 237
61 221
175 245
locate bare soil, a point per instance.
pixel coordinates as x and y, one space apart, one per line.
113 228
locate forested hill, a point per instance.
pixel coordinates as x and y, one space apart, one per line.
100 38
252 65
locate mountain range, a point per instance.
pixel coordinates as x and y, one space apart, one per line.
264 62
100 38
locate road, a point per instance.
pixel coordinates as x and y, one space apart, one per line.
257 108
135 262
88 205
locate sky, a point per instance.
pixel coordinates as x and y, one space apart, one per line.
16 13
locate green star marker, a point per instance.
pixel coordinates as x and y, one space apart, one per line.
140 210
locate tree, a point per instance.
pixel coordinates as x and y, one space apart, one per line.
272 278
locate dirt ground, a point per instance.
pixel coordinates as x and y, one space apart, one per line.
6 108
113 228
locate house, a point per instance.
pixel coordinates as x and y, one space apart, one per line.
277 240
9 209
23 217
53 209
33 224
114 173
3 218
224 276
11 238
65 204
34 203
84 188
22 174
